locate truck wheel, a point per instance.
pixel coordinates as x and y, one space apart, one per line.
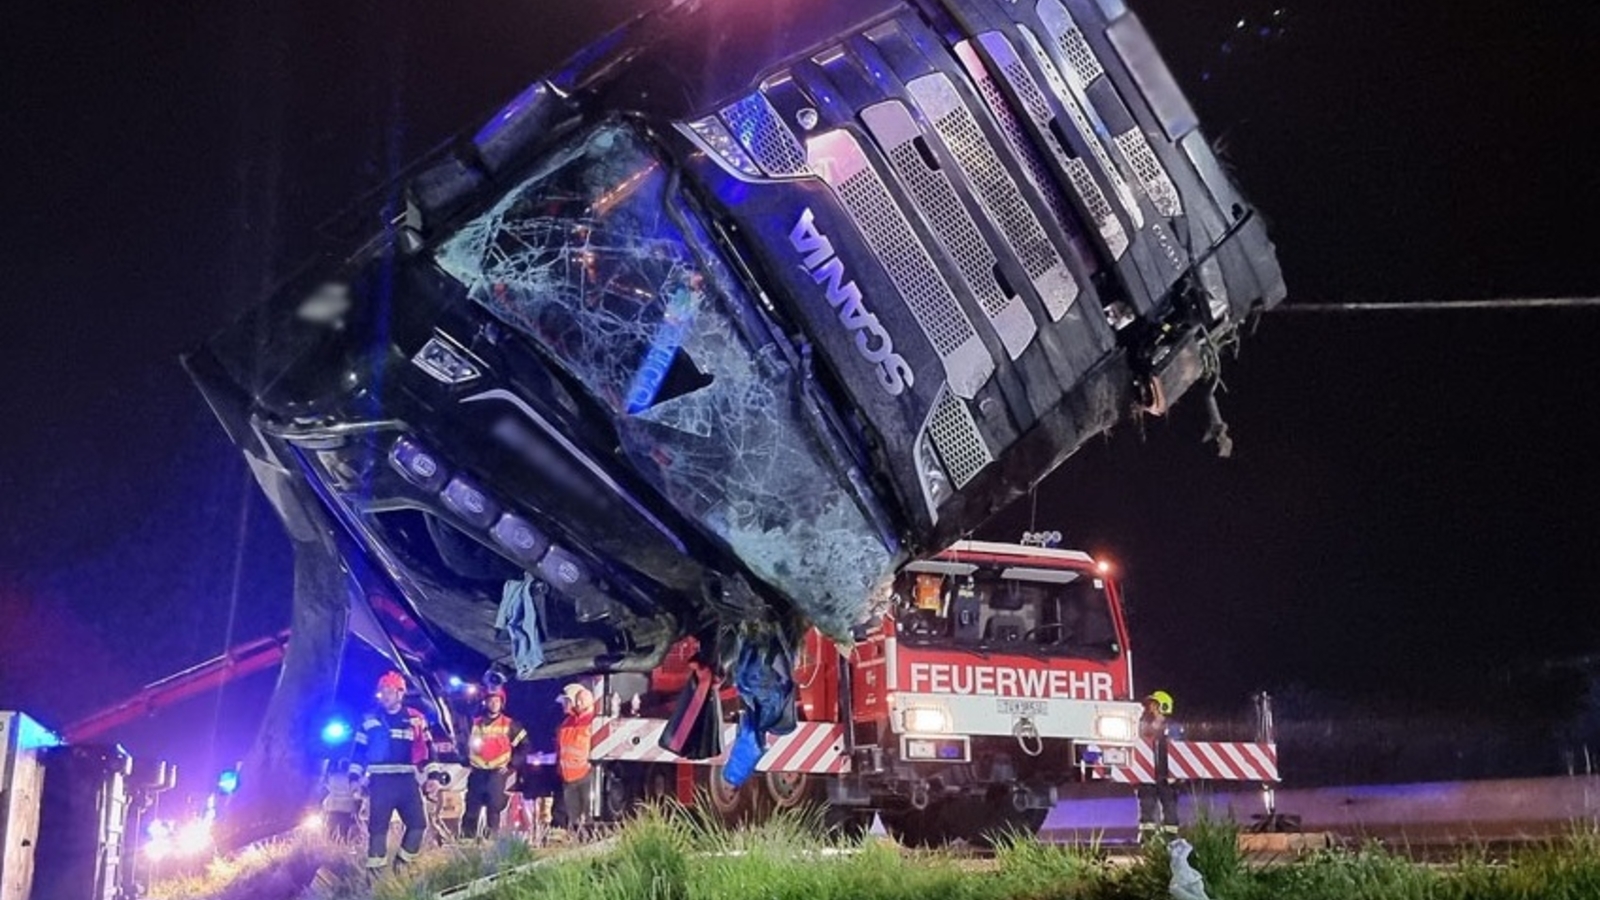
982 822
659 783
734 805
619 795
1015 821
846 822
919 827
788 790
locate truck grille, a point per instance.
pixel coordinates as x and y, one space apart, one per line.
1038 109
1070 41
936 97
955 435
1016 138
893 128
757 126
1074 104
840 161
1158 186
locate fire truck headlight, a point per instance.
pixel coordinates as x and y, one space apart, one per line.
926 720
1113 728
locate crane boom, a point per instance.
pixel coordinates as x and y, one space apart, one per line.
236 662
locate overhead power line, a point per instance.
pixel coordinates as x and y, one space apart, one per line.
1437 305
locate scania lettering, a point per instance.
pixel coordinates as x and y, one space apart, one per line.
872 341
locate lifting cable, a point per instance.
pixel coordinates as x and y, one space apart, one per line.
1442 305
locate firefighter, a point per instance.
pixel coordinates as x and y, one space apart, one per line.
393 743
340 803
1158 801
573 741
496 739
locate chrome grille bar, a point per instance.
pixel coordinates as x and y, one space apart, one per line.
838 159
896 132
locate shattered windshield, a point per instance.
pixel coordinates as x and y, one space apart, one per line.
604 266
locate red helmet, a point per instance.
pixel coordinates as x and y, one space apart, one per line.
391 680
495 691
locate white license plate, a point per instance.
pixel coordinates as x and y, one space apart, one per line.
1024 707
1115 756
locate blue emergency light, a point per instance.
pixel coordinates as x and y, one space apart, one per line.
228 781
336 732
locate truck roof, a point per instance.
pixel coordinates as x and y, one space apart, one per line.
991 548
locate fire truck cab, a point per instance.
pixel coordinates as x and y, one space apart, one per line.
1001 674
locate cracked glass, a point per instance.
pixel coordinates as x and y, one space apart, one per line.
596 259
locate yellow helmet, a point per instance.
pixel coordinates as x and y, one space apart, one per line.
1163 701
577 696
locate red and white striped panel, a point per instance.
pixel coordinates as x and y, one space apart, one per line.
813 747
1204 761
634 740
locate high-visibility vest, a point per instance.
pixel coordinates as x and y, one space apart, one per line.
572 745
491 742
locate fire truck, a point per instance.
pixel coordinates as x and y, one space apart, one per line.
1000 680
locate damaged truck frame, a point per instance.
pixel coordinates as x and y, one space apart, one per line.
715 329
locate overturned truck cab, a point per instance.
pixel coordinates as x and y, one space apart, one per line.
722 324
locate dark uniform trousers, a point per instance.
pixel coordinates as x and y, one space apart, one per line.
486 790
1163 794
387 794
1158 803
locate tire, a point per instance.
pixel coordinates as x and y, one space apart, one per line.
1027 821
919 828
735 805
983 821
658 783
790 790
619 793
848 823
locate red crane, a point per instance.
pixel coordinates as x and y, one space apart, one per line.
236 662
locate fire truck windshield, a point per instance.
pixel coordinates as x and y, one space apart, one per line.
602 262
1039 612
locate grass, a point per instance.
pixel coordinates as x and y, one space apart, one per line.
275 869
672 853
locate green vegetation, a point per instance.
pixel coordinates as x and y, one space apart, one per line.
672 853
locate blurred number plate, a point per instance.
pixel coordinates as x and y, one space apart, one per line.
1024 707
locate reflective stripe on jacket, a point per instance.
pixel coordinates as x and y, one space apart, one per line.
573 742
390 743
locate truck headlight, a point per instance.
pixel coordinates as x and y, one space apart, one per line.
1113 728
444 362
926 720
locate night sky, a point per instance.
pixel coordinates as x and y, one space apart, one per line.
1408 518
